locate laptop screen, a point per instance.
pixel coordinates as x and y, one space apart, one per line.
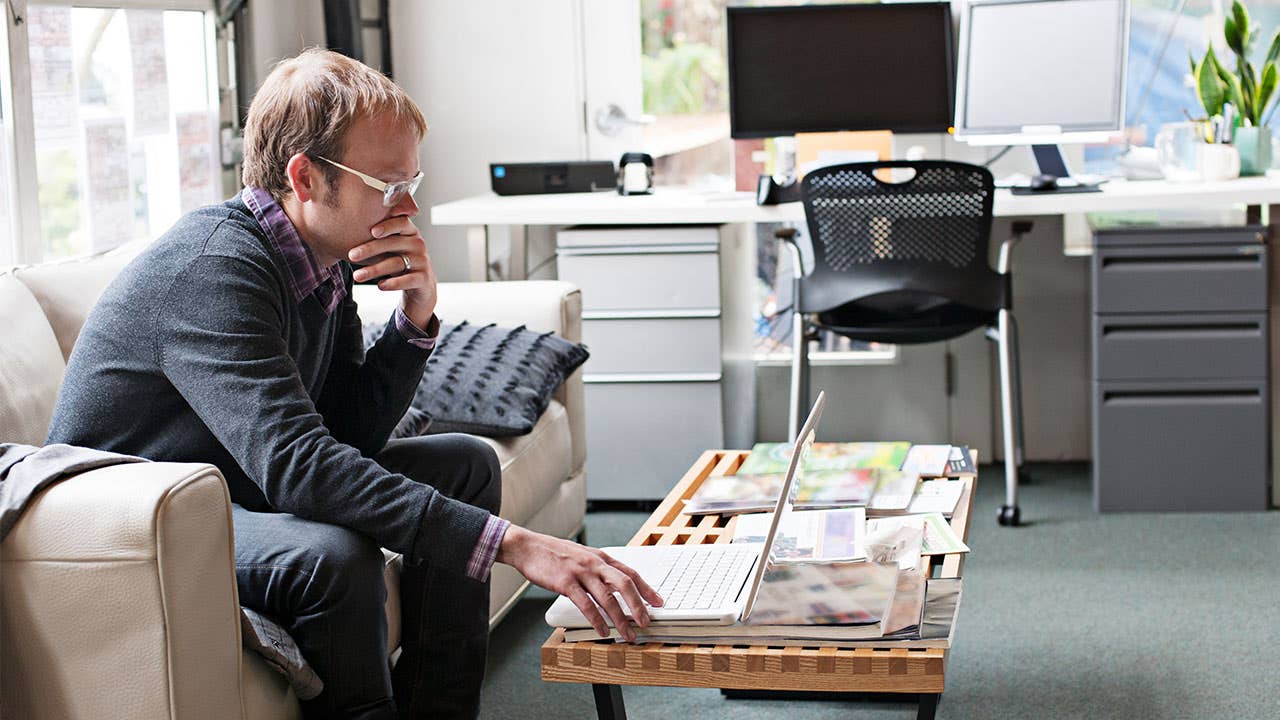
786 497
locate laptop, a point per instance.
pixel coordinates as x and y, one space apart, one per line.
704 584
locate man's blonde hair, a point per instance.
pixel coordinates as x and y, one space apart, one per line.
306 105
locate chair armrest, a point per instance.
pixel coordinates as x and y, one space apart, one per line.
540 305
117 591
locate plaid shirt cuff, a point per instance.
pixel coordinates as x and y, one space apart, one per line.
486 552
417 337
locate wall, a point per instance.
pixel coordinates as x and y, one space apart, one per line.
274 31
498 81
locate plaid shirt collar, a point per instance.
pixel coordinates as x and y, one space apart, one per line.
304 272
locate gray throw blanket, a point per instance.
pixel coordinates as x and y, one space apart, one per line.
26 470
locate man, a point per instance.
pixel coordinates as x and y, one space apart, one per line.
234 340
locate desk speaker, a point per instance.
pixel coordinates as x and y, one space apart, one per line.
552 177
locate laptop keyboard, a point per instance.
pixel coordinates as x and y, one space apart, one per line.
702 578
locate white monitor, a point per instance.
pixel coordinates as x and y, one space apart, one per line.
1041 72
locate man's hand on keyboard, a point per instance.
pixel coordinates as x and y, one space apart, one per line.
586 576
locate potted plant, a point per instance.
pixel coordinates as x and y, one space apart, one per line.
1249 92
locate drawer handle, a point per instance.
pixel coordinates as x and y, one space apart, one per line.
1182 262
1182 331
1181 397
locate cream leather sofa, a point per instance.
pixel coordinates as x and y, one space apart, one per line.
117 592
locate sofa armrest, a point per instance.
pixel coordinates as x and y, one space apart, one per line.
540 305
118 594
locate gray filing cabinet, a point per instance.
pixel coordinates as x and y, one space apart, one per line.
1180 391
651 317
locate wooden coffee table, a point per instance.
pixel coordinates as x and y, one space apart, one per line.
607 665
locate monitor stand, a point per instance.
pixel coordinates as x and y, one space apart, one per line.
1050 161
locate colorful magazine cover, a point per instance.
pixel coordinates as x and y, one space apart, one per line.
729 494
775 457
808 535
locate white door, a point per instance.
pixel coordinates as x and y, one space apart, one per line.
612 97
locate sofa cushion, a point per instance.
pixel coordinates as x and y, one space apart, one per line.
68 290
31 366
534 465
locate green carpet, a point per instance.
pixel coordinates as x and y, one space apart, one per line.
1074 615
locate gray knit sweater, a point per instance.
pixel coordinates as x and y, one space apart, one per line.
197 352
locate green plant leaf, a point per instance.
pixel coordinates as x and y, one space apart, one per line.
1238 97
1192 58
1266 88
1209 86
1273 55
1231 32
1241 16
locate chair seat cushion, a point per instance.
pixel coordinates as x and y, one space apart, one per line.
935 324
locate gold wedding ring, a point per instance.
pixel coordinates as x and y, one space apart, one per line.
407 267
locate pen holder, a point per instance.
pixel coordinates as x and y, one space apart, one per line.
1254 145
1216 161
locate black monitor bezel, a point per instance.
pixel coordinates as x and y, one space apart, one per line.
944 6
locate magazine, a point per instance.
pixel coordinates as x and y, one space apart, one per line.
732 494
927 460
935 627
940 496
775 457
939 538
893 493
808 535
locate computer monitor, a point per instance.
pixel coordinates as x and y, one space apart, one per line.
1042 72
816 68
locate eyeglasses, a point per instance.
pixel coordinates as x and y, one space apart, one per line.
392 193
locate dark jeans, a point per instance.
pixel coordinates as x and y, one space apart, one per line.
324 584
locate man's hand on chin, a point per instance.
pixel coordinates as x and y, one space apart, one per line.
402 264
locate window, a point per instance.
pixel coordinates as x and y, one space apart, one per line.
6 129
124 115
686 90
1159 87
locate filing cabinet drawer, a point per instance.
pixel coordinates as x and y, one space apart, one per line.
639 280
1201 235
642 436
1218 278
1197 446
660 236
652 345
1180 347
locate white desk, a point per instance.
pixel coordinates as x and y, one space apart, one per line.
679 206
675 206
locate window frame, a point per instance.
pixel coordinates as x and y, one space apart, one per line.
25 243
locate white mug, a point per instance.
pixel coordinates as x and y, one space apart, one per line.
1217 161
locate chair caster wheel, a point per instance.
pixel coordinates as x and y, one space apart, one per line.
1010 515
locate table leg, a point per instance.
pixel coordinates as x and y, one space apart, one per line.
478 253
609 702
928 706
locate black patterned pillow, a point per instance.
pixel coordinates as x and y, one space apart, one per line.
491 381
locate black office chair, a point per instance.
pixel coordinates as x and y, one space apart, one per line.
906 262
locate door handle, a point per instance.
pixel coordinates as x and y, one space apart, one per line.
612 119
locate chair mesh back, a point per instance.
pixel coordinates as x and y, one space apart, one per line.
900 246
942 215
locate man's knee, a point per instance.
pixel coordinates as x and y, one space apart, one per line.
486 473
347 570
